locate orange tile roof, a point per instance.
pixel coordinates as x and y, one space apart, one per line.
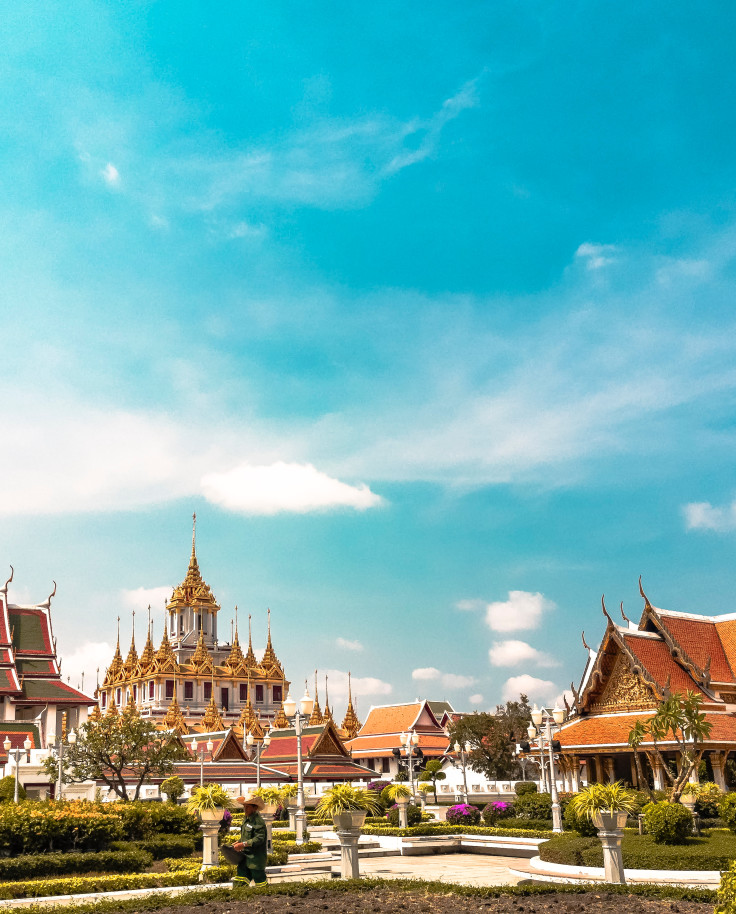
599 730
657 661
727 633
700 641
383 744
391 719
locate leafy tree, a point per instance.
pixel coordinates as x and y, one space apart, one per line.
636 738
679 720
7 789
433 772
172 788
120 751
493 737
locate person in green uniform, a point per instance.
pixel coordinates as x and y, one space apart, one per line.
253 843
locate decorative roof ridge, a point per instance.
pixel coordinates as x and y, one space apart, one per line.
701 675
630 632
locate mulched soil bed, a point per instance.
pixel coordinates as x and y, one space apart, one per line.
385 901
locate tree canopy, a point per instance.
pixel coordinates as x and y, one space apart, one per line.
493 737
122 751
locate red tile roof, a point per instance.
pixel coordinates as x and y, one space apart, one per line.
599 730
727 634
391 719
17 732
366 746
700 641
657 660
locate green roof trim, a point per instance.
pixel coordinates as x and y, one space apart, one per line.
29 631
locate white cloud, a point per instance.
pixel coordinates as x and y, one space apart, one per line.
294 487
513 653
476 700
86 658
426 673
596 256
143 597
337 684
111 174
704 516
349 645
522 610
457 681
542 690
560 699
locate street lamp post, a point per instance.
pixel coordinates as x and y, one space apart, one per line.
464 750
532 733
60 744
194 745
556 716
300 715
17 754
250 741
409 742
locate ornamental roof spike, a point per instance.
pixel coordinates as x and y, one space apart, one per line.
350 724
270 661
165 660
316 716
4 588
193 589
131 660
47 602
148 656
174 719
211 721
327 713
250 657
647 604
96 715
201 659
623 614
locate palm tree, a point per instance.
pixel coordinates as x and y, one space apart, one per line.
636 738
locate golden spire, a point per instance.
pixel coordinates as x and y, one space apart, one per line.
193 588
201 659
165 658
112 710
211 722
131 707
316 717
327 713
235 657
350 724
270 662
96 715
250 658
115 670
148 655
132 659
174 719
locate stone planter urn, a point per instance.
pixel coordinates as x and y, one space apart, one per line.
403 804
610 825
268 814
348 825
210 826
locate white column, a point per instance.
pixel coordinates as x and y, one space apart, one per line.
718 763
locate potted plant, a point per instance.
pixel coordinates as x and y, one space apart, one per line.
606 805
689 796
271 797
348 805
209 802
400 793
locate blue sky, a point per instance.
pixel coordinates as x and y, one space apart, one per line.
427 311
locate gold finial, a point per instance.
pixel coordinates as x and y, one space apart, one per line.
236 618
118 630
98 677
194 531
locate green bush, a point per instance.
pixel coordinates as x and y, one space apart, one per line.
110 883
160 846
709 796
581 824
31 866
430 829
642 852
7 790
521 788
726 898
413 814
172 788
533 806
35 827
727 811
668 823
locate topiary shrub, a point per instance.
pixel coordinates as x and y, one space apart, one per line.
492 812
172 788
709 798
413 814
7 790
463 814
533 806
524 787
579 822
668 823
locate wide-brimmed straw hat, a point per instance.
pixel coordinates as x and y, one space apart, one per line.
252 799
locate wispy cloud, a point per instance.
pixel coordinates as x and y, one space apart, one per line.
84 661
596 256
143 597
514 653
293 487
111 175
522 610
347 645
426 674
703 515
360 685
448 680
476 700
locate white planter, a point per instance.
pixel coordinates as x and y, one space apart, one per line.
605 820
403 801
212 815
351 818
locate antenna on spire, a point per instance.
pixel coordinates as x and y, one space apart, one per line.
269 623
236 619
350 690
194 530
316 699
118 631
98 677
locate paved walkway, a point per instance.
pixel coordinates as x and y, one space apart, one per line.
462 869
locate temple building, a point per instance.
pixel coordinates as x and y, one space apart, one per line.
35 703
193 682
625 679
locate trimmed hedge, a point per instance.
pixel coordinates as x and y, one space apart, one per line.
668 823
459 830
31 865
79 885
641 852
160 846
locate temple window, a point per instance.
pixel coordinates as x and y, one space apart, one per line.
118 696
277 693
169 688
243 692
104 699
181 622
151 689
207 691
188 691
259 693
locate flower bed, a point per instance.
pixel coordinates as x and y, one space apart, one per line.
429 829
79 885
714 852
